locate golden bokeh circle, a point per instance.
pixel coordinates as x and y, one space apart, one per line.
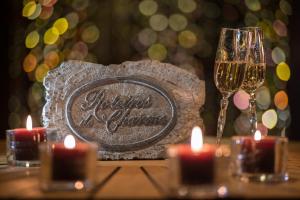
32 39
157 52
187 39
283 71
51 35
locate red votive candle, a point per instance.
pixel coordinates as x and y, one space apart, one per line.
196 167
22 144
259 158
69 165
258 154
195 162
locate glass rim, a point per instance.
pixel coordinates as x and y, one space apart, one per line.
251 27
234 29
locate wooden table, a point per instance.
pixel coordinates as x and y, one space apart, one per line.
144 179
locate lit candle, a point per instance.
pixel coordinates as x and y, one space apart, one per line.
196 162
258 153
260 157
265 153
68 165
23 143
68 159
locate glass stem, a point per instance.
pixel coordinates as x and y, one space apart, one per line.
252 117
222 118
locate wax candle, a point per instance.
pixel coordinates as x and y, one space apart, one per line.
258 157
196 162
22 144
68 160
258 153
69 165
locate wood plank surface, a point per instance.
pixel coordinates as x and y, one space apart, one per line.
143 179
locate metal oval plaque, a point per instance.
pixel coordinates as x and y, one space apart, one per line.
121 113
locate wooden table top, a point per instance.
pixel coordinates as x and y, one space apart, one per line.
143 179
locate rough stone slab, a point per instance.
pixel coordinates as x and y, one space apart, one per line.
132 110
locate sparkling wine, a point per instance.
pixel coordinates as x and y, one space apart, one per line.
229 76
254 77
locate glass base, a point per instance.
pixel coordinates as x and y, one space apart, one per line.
24 163
263 178
80 185
199 191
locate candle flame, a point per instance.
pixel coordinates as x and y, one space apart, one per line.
29 123
196 140
69 142
257 135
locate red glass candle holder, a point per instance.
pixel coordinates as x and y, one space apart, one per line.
193 174
68 169
263 160
22 145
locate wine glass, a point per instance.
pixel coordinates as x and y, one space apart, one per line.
230 67
256 72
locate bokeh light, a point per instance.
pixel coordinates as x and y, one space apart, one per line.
187 39
283 71
250 19
285 7
80 5
36 13
148 7
241 99
269 118
177 22
263 97
50 3
52 59
73 19
158 22
187 6
280 28
41 71
32 39
253 5
168 38
278 55
29 8
157 52
242 124
281 100
147 37
61 25
90 34
29 63
46 13
51 35
284 114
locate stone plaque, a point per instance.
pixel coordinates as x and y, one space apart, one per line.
132 110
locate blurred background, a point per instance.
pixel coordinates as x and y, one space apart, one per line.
40 34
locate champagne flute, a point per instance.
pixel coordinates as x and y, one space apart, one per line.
256 72
230 67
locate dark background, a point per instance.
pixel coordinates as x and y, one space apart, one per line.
11 18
